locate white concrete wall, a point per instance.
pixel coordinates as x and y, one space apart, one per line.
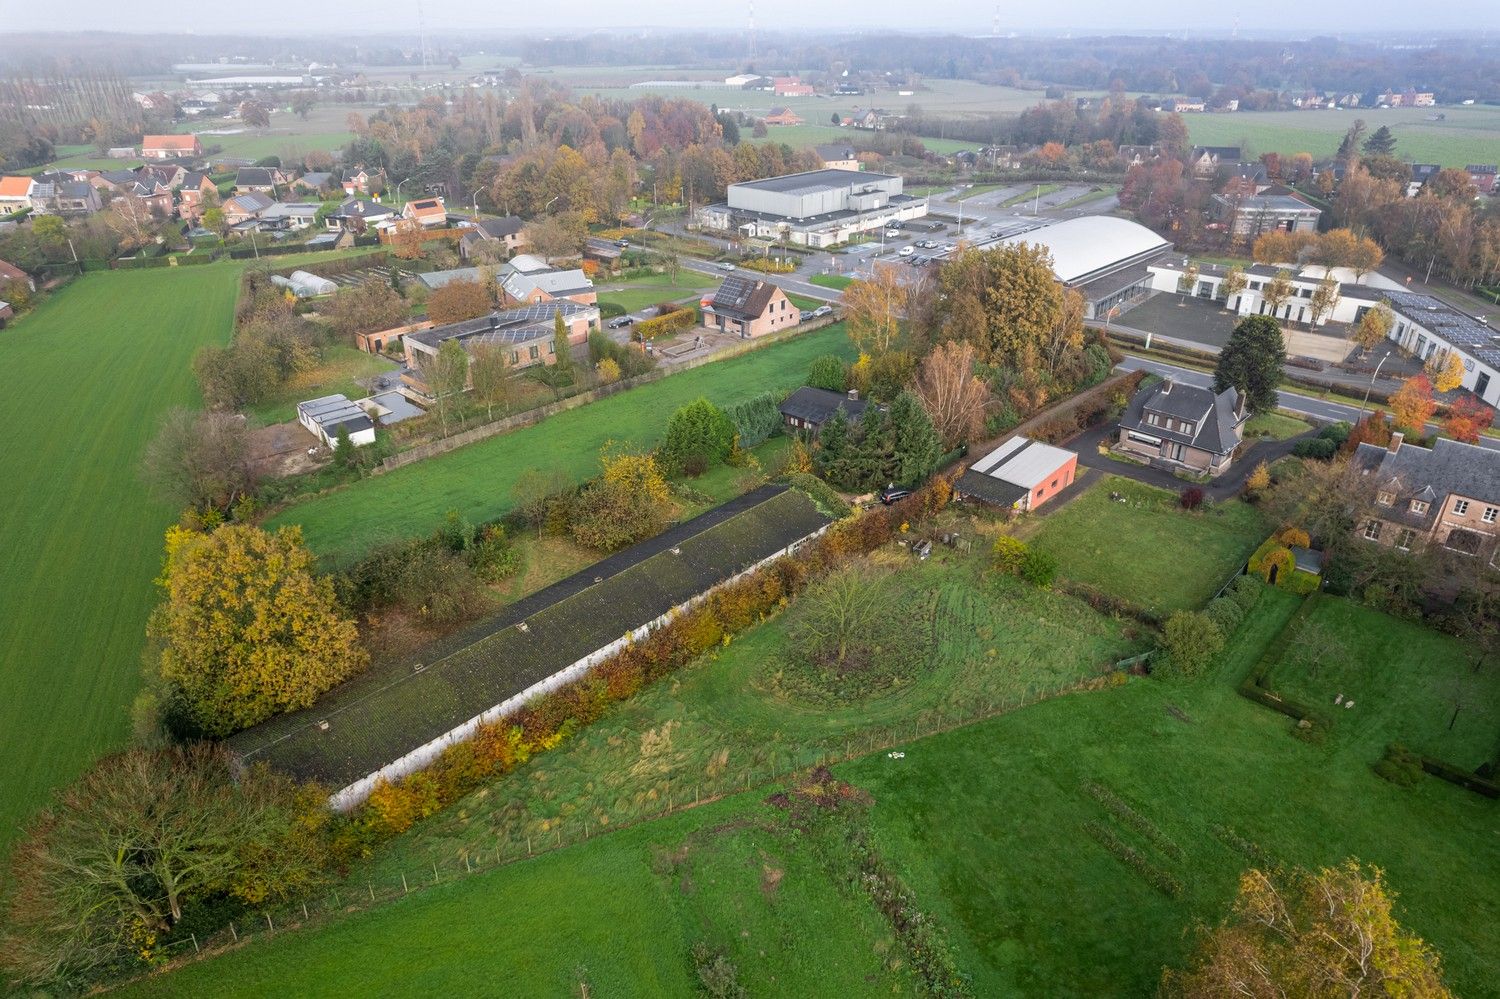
425 755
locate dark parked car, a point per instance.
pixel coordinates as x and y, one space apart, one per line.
620 321
894 494
622 242
806 315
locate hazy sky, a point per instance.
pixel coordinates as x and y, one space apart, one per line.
287 17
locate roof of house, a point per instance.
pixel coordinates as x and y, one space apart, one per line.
557 283
1449 467
499 228
520 324
812 181
330 412
437 279
116 178
76 189
15 187
1481 168
315 178
183 142
360 208
380 716
10 272
253 203
426 208
1269 202
1216 422
817 406
836 151
743 298
1022 461
291 209
1222 152
194 178
1088 246
255 177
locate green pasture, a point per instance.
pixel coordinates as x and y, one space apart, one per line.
95 368
1465 135
838 282
1147 549
1397 681
477 480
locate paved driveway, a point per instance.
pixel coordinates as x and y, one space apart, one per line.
1226 486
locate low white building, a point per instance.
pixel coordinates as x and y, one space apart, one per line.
325 416
816 208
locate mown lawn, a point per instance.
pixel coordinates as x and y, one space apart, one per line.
1407 684
838 282
1277 426
1147 549
477 480
93 370
1465 135
987 822
339 372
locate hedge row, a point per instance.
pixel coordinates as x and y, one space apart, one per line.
1084 411
1254 686
498 748
672 322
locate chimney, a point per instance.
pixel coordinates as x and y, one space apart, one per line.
854 395
494 321
1166 385
1395 444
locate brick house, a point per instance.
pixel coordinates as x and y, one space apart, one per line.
15 193
429 213
1204 160
1020 474
1446 495
526 333
194 196
838 156
243 207
170 147
748 308
509 232
1482 176
782 116
1172 426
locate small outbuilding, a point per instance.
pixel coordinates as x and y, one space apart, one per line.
1020 474
304 284
809 408
324 417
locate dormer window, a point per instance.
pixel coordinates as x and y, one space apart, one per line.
1417 506
1187 428
1385 498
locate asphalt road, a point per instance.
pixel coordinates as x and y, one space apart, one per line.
1292 402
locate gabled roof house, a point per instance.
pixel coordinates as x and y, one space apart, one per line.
1173 425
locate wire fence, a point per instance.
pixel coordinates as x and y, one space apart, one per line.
679 796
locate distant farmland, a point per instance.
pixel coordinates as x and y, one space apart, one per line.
1465 135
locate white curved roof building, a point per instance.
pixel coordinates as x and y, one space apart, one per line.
1092 244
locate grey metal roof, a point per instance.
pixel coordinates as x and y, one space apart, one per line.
437 279
815 180
501 227
255 177
817 406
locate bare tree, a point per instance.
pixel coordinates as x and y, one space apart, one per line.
840 612
954 398
536 490
489 371
199 460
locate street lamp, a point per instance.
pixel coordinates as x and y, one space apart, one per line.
398 189
1371 386
549 204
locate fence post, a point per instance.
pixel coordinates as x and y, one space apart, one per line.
404 886
234 933
336 900
372 890
304 911
196 948
269 924
466 864
434 872
528 846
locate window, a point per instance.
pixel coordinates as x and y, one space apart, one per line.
1404 538
1372 530
1386 499
1417 506
552 348
515 357
1461 507
1490 513
1187 427
535 353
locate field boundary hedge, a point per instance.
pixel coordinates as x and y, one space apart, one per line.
532 416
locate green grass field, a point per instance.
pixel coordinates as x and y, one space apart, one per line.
1277 426
1466 135
838 282
1407 684
477 480
96 366
636 295
985 823
1147 549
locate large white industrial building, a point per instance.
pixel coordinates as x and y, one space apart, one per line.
1103 258
818 208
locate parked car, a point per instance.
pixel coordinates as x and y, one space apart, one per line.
893 493
622 242
806 315
891 234
726 266
906 251
823 310
620 321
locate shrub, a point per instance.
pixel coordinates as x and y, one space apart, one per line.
1260 479
672 322
699 433
1295 537
1039 568
1336 432
1245 591
1400 766
757 419
1316 448
828 372
1191 498
1225 613
1009 554
824 497
1191 640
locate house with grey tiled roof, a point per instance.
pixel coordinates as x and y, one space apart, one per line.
1448 495
1175 426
